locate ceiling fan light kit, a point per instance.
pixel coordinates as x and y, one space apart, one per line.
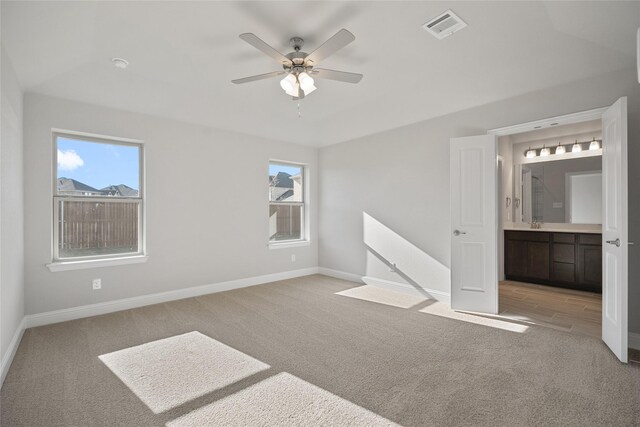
299 66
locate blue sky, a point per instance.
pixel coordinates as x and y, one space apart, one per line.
291 170
98 165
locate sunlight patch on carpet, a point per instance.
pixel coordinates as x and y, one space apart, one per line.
443 310
172 371
281 400
383 296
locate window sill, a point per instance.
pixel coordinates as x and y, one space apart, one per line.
294 244
95 263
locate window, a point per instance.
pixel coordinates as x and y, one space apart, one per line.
286 202
98 198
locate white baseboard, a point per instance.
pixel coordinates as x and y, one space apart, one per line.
73 313
407 289
634 340
7 357
340 274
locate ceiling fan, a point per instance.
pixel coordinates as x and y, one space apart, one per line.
300 67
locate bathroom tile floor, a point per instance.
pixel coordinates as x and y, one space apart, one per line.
564 309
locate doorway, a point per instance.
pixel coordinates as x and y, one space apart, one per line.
554 254
556 181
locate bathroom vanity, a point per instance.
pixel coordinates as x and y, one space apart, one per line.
562 259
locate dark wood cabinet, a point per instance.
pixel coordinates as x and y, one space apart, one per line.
569 260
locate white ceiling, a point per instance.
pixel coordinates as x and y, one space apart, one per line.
183 55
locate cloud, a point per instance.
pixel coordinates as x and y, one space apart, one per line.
69 160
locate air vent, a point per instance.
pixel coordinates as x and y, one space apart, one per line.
444 25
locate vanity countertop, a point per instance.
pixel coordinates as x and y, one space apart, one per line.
555 228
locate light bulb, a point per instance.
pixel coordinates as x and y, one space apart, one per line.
295 91
289 83
306 82
545 151
576 147
531 153
594 145
560 149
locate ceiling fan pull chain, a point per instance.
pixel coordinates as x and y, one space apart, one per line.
299 113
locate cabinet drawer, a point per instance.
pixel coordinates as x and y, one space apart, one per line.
529 236
564 238
590 239
564 272
564 252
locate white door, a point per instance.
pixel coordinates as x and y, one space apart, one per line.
615 228
474 224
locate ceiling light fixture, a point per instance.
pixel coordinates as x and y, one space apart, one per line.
299 66
576 147
531 153
594 145
306 83
290 85
120 63
560 149
545 151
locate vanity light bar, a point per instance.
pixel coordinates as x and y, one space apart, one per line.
594 144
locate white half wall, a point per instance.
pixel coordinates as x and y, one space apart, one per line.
401 178
206 209
11 215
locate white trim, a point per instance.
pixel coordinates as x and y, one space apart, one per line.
97 136
292 244
582 116
8 356
407 288
73 313
95 263
634 340
340 274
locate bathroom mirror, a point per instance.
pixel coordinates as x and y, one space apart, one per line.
560 191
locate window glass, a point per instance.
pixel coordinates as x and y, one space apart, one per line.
87 168
285 183
286 202
98 199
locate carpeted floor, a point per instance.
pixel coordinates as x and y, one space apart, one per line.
296 352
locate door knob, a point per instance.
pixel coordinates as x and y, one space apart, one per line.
458 232
614 242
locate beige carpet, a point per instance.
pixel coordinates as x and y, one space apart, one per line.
297 352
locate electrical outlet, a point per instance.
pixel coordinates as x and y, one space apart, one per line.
97 284
293 257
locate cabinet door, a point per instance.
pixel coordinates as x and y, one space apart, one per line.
590 266
516 264
538 260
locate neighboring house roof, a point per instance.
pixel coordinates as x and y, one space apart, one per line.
120 190
285 195
282 180
68 184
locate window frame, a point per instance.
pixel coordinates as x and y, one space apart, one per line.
303 240
103 259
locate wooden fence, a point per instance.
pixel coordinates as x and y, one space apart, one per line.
94 225
288 221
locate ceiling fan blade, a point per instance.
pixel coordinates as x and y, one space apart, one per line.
341 76
331 46
256 42
258 77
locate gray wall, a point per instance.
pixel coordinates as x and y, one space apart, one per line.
401 177
11 207
196 233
